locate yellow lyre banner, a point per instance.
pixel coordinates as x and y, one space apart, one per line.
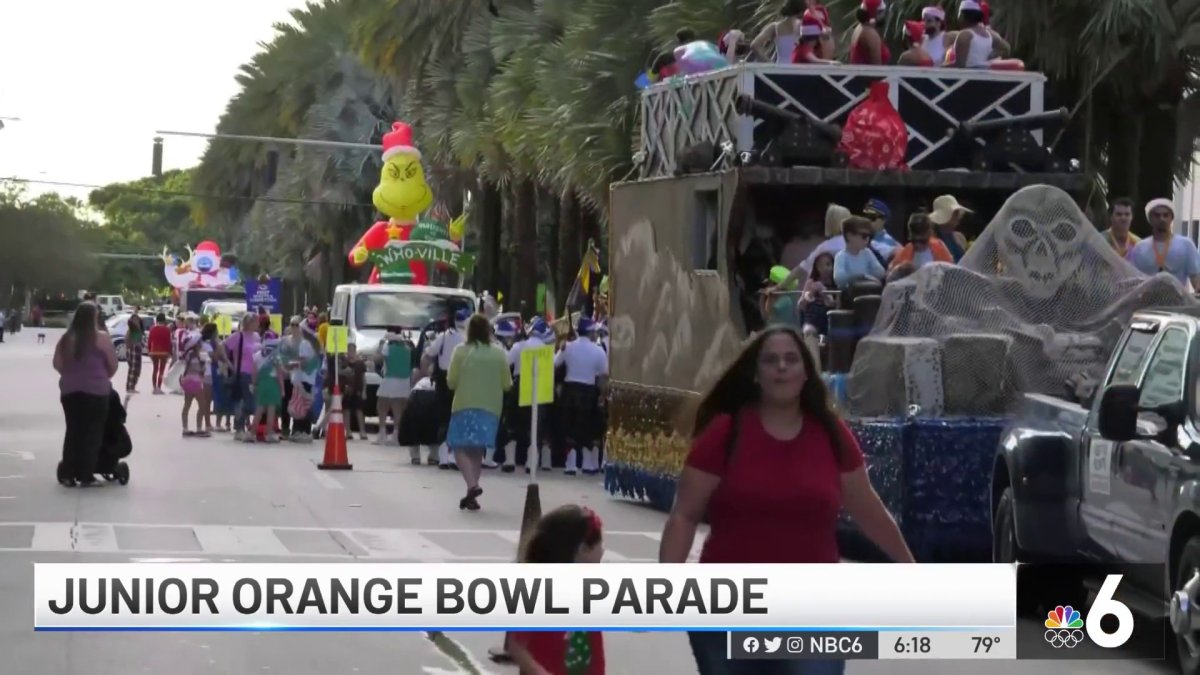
543 379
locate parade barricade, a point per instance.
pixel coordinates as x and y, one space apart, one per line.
934 475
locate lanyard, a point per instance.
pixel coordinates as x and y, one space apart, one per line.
1160 258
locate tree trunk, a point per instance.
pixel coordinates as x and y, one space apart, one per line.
488 217
1121 177
1157 153
524 239
548 209
570 246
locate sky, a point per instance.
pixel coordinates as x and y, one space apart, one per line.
92 80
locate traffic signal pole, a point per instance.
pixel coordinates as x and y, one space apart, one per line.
272 139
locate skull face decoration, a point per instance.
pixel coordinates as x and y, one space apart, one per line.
1040 239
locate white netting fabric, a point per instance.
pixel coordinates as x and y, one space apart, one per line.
1038 301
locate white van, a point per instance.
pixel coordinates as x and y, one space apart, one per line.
370 309
110 305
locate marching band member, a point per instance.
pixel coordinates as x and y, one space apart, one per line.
505 334
586 365
438 356
540 335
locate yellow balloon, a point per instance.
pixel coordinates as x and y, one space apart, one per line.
402 193
456 228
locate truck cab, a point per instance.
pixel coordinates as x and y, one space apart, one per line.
368 310
1116 479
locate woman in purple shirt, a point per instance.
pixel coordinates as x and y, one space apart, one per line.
240 349
86 362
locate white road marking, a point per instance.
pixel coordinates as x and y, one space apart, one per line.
234 540
52 537
398 543
94 538
19 454
261 541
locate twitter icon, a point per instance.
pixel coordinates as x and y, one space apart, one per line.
772 644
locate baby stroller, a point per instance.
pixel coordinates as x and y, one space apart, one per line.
117 446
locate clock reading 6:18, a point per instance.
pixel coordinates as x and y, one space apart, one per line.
912 645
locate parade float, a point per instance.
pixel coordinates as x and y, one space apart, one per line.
205 274
408 247
731 158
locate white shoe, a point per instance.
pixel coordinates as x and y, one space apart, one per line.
572 465
445 459
431 457
591 461
510 457
489 459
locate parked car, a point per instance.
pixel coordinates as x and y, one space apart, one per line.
118 327
1116 479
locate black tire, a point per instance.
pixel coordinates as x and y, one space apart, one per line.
1004 530
1189 560
122 473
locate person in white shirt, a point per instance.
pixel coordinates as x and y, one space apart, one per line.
540 335
437 357
935 34
586 365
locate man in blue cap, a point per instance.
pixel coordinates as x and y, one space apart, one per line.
540 335
882 242
586 365
438 356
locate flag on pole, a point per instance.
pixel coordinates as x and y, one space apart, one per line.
589 271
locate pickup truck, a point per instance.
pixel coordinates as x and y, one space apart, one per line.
1116 479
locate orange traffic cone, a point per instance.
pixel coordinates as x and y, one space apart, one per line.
335 437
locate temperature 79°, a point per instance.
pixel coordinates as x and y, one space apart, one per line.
985 644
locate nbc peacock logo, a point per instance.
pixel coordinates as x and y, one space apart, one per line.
1064 627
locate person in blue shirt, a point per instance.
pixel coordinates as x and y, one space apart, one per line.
857 261
1163 251
882 241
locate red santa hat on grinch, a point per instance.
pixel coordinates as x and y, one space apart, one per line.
399 142
933 12
810 26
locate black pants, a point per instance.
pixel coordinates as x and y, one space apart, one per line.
86 415
285 417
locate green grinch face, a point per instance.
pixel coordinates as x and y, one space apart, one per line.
402 193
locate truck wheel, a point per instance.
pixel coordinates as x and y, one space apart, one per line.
1185 607
1004 530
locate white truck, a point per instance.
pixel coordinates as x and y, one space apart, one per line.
369 310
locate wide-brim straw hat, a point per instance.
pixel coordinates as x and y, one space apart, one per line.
944 208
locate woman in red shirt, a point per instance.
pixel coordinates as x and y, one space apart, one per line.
158 343
866 45
772 465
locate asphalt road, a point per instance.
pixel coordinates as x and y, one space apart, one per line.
214 500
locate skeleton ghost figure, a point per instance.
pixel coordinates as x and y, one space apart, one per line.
1040 235
1039 274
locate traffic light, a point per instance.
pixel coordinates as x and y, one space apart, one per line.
156 167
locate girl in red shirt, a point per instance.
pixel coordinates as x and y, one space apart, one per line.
866 44
772 465
568 534
158 341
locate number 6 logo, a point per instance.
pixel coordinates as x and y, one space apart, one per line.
1106 605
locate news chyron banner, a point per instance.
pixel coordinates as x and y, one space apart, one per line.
846 611
1095 611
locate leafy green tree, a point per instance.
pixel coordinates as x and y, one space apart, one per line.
45 246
